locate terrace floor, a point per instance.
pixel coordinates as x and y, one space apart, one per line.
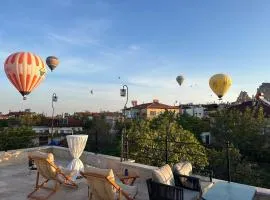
17 181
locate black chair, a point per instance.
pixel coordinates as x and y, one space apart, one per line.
159 191
204 172
31 164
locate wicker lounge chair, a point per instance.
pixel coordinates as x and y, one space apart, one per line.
49 171
103 186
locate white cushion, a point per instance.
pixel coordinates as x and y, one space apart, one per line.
164 175
130 190
183 168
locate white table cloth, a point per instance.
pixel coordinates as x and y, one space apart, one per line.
76 145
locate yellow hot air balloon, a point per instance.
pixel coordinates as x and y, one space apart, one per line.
220 84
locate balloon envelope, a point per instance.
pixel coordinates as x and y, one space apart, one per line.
52 62
25 71
220 84
180 79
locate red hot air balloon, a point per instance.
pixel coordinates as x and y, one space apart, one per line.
25 71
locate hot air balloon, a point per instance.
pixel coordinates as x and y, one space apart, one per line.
220 84
25 71
180 79
52 62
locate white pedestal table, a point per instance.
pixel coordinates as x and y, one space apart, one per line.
76 145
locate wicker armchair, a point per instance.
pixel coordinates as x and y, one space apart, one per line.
165 185
185 169
160 191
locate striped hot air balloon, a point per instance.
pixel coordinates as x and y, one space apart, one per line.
25 71
52 62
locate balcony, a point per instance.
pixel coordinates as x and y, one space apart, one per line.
16 180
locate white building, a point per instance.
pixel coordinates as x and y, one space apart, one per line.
194 110
60 130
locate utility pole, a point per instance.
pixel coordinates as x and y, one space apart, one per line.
124 142
54 99
228 161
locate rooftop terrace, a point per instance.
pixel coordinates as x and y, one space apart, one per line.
16 180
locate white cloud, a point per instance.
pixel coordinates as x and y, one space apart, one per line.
134 47
81 32
79 65
72 39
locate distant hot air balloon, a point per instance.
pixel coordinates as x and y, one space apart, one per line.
52 62
91 91
25 71
220 84
180 79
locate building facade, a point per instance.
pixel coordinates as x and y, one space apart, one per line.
149 110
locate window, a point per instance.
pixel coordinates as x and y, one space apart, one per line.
207 139
153 113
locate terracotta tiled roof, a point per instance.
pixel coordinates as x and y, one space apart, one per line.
66 122
153 105
253 105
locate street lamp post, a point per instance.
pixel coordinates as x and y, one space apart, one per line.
54 99
124 93
228 161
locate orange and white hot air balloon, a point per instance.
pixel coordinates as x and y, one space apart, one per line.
25 71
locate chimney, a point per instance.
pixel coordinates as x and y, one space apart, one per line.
155 101
134 103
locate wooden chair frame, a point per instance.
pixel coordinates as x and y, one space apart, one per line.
110 181
67 181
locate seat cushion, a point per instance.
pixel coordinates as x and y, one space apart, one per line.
38 154
130 190
45 164
163 175
183 168
100 188
68 173
96 170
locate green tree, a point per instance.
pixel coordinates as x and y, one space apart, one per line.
240 170
194 124
99 138
16 138
29 119
148 142
243 129
3 123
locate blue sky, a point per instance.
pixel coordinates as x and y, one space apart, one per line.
145 43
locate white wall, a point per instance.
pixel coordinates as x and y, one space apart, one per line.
194 111
63 130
